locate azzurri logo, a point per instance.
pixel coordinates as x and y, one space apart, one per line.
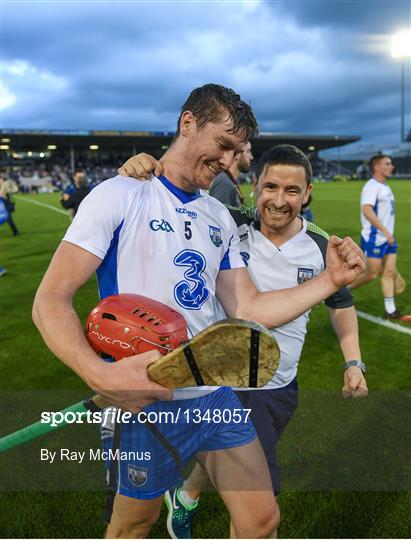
160 225
190 213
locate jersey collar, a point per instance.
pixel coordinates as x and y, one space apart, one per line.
182 196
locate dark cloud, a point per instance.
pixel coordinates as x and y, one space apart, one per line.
366 16
307 67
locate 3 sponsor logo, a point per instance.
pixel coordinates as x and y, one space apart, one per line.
245 257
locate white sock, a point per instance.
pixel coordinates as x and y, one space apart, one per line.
186 499
389 304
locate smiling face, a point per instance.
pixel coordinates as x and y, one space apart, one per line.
281 191
207 151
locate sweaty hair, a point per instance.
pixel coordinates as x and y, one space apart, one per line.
214 103
375 159
285 154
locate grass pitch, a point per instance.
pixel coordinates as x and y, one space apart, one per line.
344 464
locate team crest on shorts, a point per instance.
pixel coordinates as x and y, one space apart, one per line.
304 274
215 235
137 475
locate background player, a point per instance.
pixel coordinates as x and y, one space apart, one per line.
226 187
168 240
377 234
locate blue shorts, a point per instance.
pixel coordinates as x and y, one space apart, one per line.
146 469
378 252
271 410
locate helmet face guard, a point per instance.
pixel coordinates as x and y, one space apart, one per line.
126 324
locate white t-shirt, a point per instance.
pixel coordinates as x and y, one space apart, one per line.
159 241
301 258
381 198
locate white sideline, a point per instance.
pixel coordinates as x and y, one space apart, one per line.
383 322
366 316
49 206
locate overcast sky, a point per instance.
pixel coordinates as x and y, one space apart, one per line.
309 66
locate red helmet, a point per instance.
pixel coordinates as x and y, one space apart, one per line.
126 324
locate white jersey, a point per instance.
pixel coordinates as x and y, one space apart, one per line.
301 258
381 198
159 241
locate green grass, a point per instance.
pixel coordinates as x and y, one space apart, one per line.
344 464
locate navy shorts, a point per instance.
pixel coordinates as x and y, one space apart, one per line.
271 410
145 468
378 252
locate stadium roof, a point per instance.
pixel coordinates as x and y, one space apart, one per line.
38 140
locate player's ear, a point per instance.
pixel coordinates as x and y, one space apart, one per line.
307 193
187 122
255 182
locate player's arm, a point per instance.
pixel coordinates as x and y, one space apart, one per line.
126 383
368 212
240 298
345 323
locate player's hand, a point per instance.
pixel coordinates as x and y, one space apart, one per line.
126 384
389 237
355 385
141 167
345 261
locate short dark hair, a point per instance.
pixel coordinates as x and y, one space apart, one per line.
375 159
285 154
209 103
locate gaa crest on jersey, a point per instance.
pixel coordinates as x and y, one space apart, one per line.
160 225
215 235
137 475
304 274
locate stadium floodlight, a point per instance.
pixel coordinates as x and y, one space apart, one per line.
41 154
401 45
311 148
401 48
93 146
5 140
29 153
51 147
4 147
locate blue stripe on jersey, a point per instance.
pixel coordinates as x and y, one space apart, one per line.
373 229
225 261
183 196
107 271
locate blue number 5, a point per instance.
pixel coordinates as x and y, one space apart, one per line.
191 293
